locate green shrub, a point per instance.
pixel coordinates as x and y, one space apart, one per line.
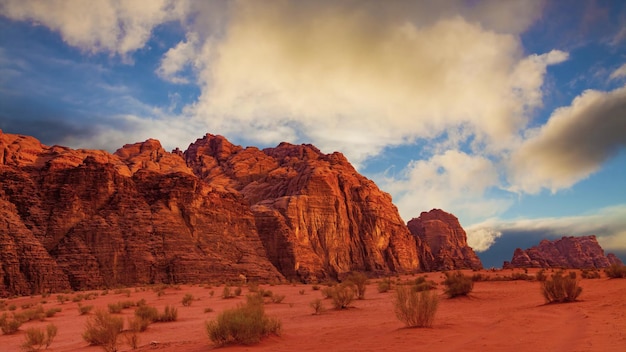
37 338
187 299
458 284
359 280
415 308
246 324
616 271
559 288
317 305
103 329
342 295
169 314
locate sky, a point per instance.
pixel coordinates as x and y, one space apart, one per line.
509 114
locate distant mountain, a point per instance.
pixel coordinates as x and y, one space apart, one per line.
85 219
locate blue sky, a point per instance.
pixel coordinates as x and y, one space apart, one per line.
509 114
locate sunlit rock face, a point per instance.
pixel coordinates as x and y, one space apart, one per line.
87 219
582 252
446 239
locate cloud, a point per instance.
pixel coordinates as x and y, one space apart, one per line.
118 27
608 224
454 181
177 59
480 239
619 73
572 145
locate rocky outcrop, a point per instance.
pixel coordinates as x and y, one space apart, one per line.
446 239
582 252
87 219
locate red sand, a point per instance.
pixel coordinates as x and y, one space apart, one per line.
497 316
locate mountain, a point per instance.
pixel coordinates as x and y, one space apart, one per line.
582 252
447 241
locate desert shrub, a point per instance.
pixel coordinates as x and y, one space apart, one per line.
342 295
266 293
151 314
415 308
422 284
384 285
480 277
458 284
359 280
327 292
590 274
315 287
187 299
103 329
559 288
238 291
227 293
541 275
208 310
115 308
126 304
301 292
12 307
253 286
52 311
169 314
10 325
246 324
277 298
522 276
211 293
616 271
82 310
124 291
141 302
135 325
37 338
36 313
104 293
62 298
317 305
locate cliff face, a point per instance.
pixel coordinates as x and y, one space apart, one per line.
88 219
568 252
446 239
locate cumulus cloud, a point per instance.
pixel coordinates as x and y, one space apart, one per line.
480 239
177 59
608 224
573 144
118 27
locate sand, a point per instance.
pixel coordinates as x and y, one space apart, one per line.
497 316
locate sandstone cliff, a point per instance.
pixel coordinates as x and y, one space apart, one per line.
88 218
446 239
582 252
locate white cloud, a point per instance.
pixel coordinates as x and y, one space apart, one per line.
178 58
618 73
572 145
95 26
480 239
608 224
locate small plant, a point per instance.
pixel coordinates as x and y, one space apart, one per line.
37 338
421 284
327 292
247 324
211 293
342 295
541 275
62 298
415 309
384 285
315 287
616 271
238 291
147 313
277 298
301 292
590 274
52 311
135 325
169 314
226 293
115 308
458 284
103 329
318 306
359 280
82 310
253 286
560 289
208 310
10 325
187 300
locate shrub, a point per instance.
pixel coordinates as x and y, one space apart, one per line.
616 271
415 309
327 292
590 274
315 287
103 329
541 275
62 298
246 324
138 324
147 313
342 295
301 292
135 325
37 338
421 284
238 291
458 284
52 311
10 325
359 280
169 314
559 288
317 305
84 309
115 308
187 299
253 286
384 285
277 298
36 313
226 293
208 310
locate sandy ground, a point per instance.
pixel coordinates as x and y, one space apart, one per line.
497 316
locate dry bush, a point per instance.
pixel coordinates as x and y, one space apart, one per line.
318 306
169 314
359 280
422 284
10 325
147 313
458 284
247 324
277 298
342 295
52 311
590 274
384 285
616 271
115 308
187 299
415 308
560 289
541 275
37 338
103 329
227 293
84 309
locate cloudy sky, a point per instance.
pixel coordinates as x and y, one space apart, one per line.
509 114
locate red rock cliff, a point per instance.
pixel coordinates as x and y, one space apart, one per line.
582 252
446 239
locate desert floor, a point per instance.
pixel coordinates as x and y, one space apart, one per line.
497 316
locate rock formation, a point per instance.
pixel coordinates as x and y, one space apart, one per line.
582 252
446 239
85 219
